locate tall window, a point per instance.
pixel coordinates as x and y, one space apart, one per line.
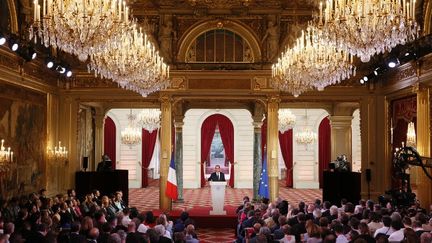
217 155
219 46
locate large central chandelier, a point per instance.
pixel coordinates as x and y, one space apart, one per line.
132 61
131 135
310 64
286 120
368 27
149 119
79 27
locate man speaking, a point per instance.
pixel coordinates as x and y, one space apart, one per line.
217 175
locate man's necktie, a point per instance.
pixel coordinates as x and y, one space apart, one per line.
218 176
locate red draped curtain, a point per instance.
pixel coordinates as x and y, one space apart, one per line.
226 130
324 148
148 145
110 140
286 145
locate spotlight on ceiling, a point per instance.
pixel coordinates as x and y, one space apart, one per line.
13 44
32 52
60 69
2 39
393 62
376 71
365 78
49 63
362 81
69 73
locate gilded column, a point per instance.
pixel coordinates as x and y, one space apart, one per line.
424 191
257 164
165 140
273 146
99 135
179 158
341 141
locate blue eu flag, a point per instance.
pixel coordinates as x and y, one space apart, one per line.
263 190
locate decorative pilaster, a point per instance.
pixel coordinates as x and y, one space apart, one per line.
99 135
341 138
165 139
179 158
273 146
424 189
257 164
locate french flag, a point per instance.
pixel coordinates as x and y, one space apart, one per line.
171 189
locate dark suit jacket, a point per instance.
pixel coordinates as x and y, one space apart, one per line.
77 238
214 177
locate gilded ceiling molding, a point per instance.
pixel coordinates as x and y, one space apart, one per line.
201 27
13 16
427 18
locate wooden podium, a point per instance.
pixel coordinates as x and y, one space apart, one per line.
218 197
338 185
107 182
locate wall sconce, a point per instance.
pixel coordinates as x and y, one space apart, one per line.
57 154
6 157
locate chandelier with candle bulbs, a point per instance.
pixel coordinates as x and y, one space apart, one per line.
132 61
365 28
149 119
6 157
58 153
286 120
79 27
311 64
103 31
306 136
131 135
411 135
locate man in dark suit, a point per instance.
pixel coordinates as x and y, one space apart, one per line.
217 175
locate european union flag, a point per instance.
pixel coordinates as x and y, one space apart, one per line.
263 190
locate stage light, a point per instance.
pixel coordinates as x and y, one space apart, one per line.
2 39
69 73
49 63
32 53
376 71
60 69
362 81
365 78
393 62
14 46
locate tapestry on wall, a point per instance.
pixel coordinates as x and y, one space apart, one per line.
23 127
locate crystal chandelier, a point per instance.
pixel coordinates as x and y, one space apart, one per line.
286 120
310 64
149 119
79 27
131 135
365 28
306 136
411 135
58 153
6 157
132 61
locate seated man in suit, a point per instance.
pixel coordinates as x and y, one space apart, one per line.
217 175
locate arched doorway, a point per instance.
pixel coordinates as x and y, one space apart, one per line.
216 131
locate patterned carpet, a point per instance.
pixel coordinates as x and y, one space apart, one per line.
145 199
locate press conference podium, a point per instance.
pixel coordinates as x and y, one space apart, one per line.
338 185
107 182
218 197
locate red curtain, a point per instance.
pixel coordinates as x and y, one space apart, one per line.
207 132
324 148
110 140
226 130
148 145
286 145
